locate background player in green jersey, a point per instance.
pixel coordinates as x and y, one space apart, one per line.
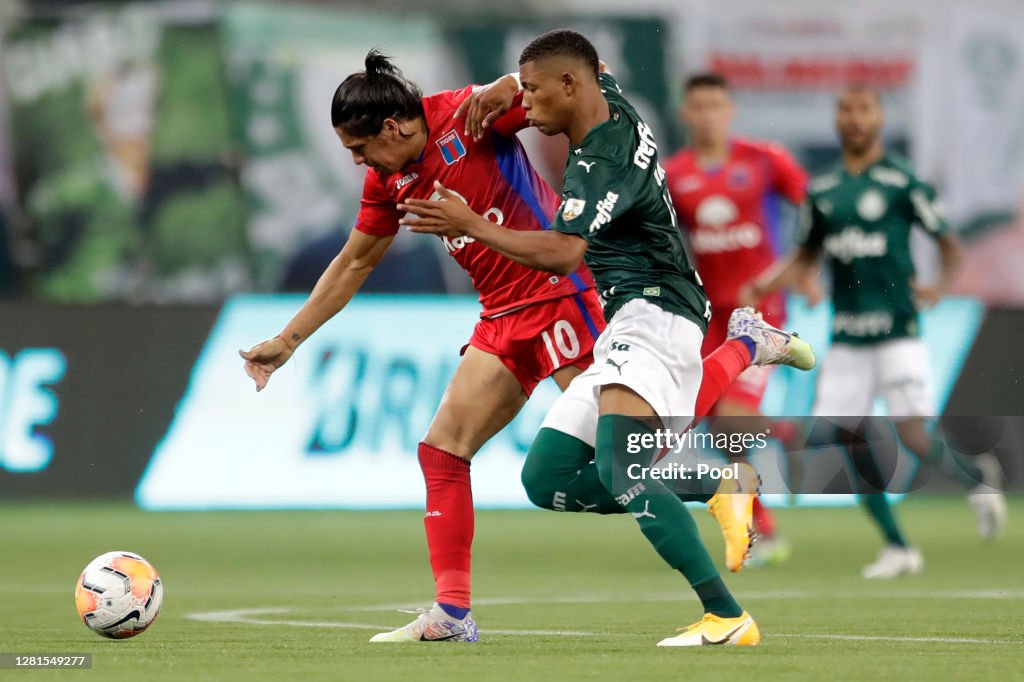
616 215
860 214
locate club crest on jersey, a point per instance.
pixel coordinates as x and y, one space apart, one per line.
451 147
573 208
739 177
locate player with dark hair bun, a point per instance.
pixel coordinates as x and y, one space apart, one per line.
365 100
533 325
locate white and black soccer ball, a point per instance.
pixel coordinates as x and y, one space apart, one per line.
119 595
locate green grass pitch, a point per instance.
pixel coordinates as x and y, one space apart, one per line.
296 595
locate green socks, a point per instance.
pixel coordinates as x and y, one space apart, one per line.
878 508
661 515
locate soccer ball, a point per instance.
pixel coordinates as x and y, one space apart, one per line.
119 595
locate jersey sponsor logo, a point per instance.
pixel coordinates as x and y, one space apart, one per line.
889 176
824 183
853 242
690 183
586 165
456 244
872 205
647 149
452 246
742 236
451 147
573 208
604 211
405 180
716 211
862 324
715 214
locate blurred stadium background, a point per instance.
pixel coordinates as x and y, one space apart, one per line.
170 186
168 177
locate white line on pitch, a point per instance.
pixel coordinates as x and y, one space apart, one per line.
879 638
247 617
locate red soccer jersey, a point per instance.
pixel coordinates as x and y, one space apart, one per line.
731 213
497 181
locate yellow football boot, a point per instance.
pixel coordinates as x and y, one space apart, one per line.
733 508
713 630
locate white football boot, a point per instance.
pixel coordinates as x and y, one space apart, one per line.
894 561
432 625
987 497
773 346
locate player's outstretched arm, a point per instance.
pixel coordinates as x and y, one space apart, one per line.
335 288
797 268
546 250
949 249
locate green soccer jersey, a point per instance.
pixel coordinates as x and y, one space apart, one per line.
863 224
615 197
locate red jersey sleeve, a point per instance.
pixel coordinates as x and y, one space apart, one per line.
788 178
513 120
378 214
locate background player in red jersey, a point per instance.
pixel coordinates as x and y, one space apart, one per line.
726 192
533 324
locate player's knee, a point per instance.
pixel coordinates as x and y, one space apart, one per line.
541 493
606 472
538 481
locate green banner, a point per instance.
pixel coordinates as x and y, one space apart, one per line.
301 185
123 157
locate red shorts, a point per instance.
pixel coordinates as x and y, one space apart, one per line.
749 387
537 340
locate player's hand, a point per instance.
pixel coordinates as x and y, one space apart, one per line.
448 217
262 359
925 296
748 295
486 105
809 286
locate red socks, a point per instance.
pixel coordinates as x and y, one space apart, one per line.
448 522
721 368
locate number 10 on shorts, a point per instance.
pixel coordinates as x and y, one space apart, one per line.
563 337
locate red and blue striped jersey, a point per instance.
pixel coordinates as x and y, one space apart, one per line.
497 181
731 213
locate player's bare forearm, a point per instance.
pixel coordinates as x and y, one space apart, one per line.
450 216
548 250
336 286
952 259
785 273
